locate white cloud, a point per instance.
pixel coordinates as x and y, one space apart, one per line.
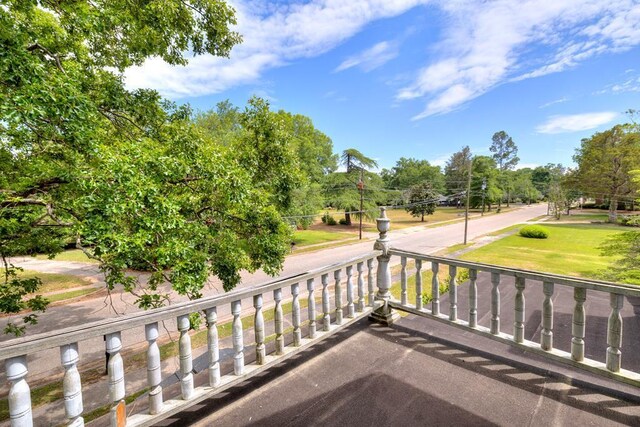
575 122
490 43
527 165
372 58
554 102
631 84
273 35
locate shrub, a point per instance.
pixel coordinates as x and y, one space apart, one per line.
331 221
534 232
630 220
325 217
342 221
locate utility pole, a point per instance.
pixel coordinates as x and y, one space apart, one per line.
484 187
361 188
466 211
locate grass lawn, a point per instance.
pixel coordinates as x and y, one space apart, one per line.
582 217
570 249
71 255
402 219
52 282
312 237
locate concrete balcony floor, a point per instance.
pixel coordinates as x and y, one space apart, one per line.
418 372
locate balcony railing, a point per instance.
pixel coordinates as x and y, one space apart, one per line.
353 279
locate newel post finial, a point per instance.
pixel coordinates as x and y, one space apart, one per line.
384 314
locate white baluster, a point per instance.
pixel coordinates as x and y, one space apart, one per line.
351 312
213 347
295 314
278 318
578 324
546 336
614 333
518 324
238 343
258 326
370 282
495 303
186 360
453 293
311 308
19 393
326 307
403 280
72 387
473 298
337 275
154 369
419 284
113 343
360 268
435 289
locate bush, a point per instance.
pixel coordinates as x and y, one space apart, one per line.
342 221
325 217
630 220
331 221
534 232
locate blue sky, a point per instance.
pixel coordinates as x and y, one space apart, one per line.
421 79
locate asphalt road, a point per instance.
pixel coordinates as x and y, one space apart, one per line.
82 312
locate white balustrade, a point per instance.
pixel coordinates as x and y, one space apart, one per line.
238 343
370 287
519 309
495 303
258 327
278 320
326 307
435 289
115 368
19 394
295 314
186 359
473 298
213 348
351 312
578 324
403 280
546 336
311 308
360 268
337 275
419 284
614 333
154 368
71 385
453 293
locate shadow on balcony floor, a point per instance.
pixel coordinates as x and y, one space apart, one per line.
374 375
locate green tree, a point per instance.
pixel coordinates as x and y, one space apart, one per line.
484 170
524 187
456 171
626 248
422 199
409 172
123 174
505 153
604 164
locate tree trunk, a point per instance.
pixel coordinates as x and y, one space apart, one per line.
347 217
613 205
422 217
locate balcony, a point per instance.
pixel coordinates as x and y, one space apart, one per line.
329 347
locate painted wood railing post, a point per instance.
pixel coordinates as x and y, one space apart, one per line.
518 324
403 280
326 307
337 276
238 340
578 324
384 315
370 279
278 319
258 326
19 394
453 293
614 333
213 347
360 268
154 369
186 360
435 289
495 303
473 298
311 308
546 336
295 314
419 284
351 311
71 384
115 368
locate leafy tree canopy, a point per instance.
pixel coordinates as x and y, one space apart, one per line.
423 200
409 172
456 171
